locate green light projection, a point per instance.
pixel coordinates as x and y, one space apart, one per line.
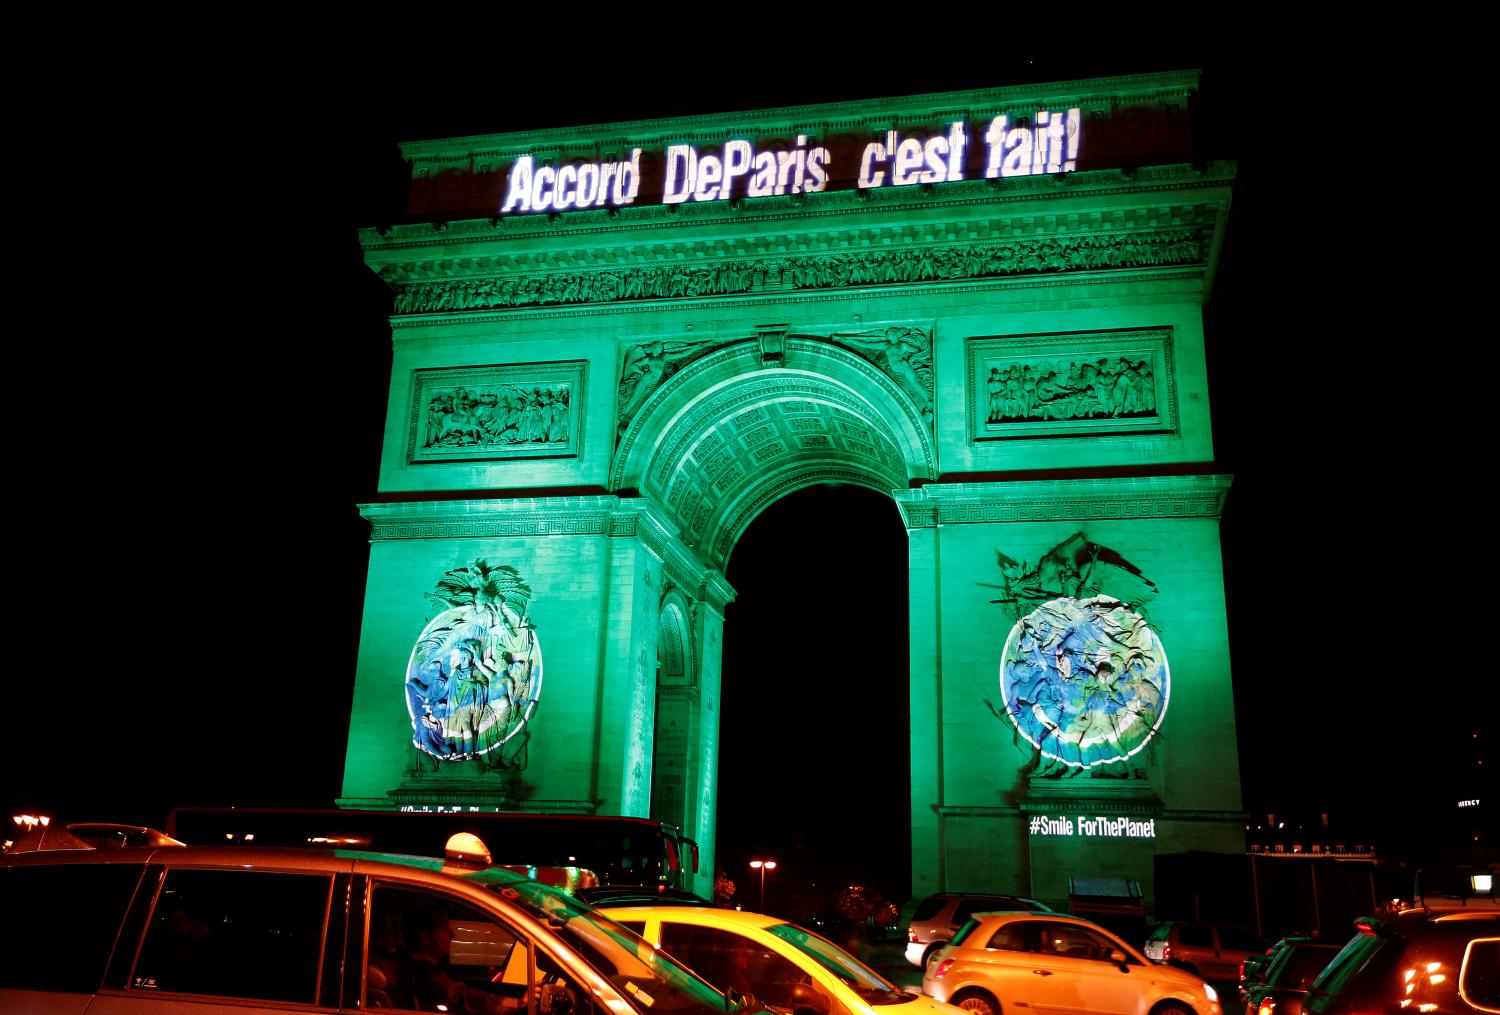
475 675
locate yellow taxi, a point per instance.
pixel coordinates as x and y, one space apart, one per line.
781 965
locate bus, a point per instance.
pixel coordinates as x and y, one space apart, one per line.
619 851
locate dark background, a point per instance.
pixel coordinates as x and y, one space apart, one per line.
205 358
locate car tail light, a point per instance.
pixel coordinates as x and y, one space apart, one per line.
942 968
1267 1007
1242 969
1166 953
911 934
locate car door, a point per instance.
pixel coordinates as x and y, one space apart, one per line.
1073 973
729 960
1001 958
224 940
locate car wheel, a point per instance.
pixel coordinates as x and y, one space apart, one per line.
932 950
1171 1009
977 1001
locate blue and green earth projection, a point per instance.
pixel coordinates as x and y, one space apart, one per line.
1085 680
472 681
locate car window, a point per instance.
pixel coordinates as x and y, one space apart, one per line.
637 926
61 922
1160 932
1020 936
729 961
1479 979
247 934
1298 966
963 932
1073 941
928 908
430 952
1237 940
967 908
1361 951
1195 935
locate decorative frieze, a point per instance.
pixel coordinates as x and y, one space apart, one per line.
691 279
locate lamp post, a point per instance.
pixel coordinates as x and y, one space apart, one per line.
763 866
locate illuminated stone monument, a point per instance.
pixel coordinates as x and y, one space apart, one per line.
616 345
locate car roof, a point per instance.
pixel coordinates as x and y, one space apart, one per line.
270 858
1031 915
693 914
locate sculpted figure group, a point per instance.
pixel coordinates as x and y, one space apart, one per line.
1117 387
505 414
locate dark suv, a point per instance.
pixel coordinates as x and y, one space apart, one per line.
938 917
1440 961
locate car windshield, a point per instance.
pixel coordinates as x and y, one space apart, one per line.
1361 951
1298 966
651 980
864 981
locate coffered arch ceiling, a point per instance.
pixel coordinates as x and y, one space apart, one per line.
727 435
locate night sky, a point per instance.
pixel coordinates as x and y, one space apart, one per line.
209 359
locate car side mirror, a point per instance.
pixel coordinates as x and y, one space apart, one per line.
1118 958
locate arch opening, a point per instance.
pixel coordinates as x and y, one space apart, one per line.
816 698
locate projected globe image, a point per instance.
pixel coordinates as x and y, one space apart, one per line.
1085 680
472 681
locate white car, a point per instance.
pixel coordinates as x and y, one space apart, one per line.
1051 964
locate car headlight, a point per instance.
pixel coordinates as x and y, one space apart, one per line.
1210 993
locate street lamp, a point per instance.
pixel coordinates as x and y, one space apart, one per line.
763 866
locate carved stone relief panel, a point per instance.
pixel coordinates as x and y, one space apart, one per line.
521 410
1074 383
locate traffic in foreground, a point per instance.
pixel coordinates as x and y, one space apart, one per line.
106 919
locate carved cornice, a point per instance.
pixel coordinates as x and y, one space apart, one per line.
538 516
552 516
477 247
620 236
1063 500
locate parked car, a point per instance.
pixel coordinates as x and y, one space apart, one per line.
782 965
1297 963
1213 951
1053 964
1422 960
938 917
243 930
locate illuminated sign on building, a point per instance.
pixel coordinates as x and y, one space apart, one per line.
1097 827
1048 143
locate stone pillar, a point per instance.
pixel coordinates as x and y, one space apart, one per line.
926 684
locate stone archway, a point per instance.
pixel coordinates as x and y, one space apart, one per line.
714 445
731 432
